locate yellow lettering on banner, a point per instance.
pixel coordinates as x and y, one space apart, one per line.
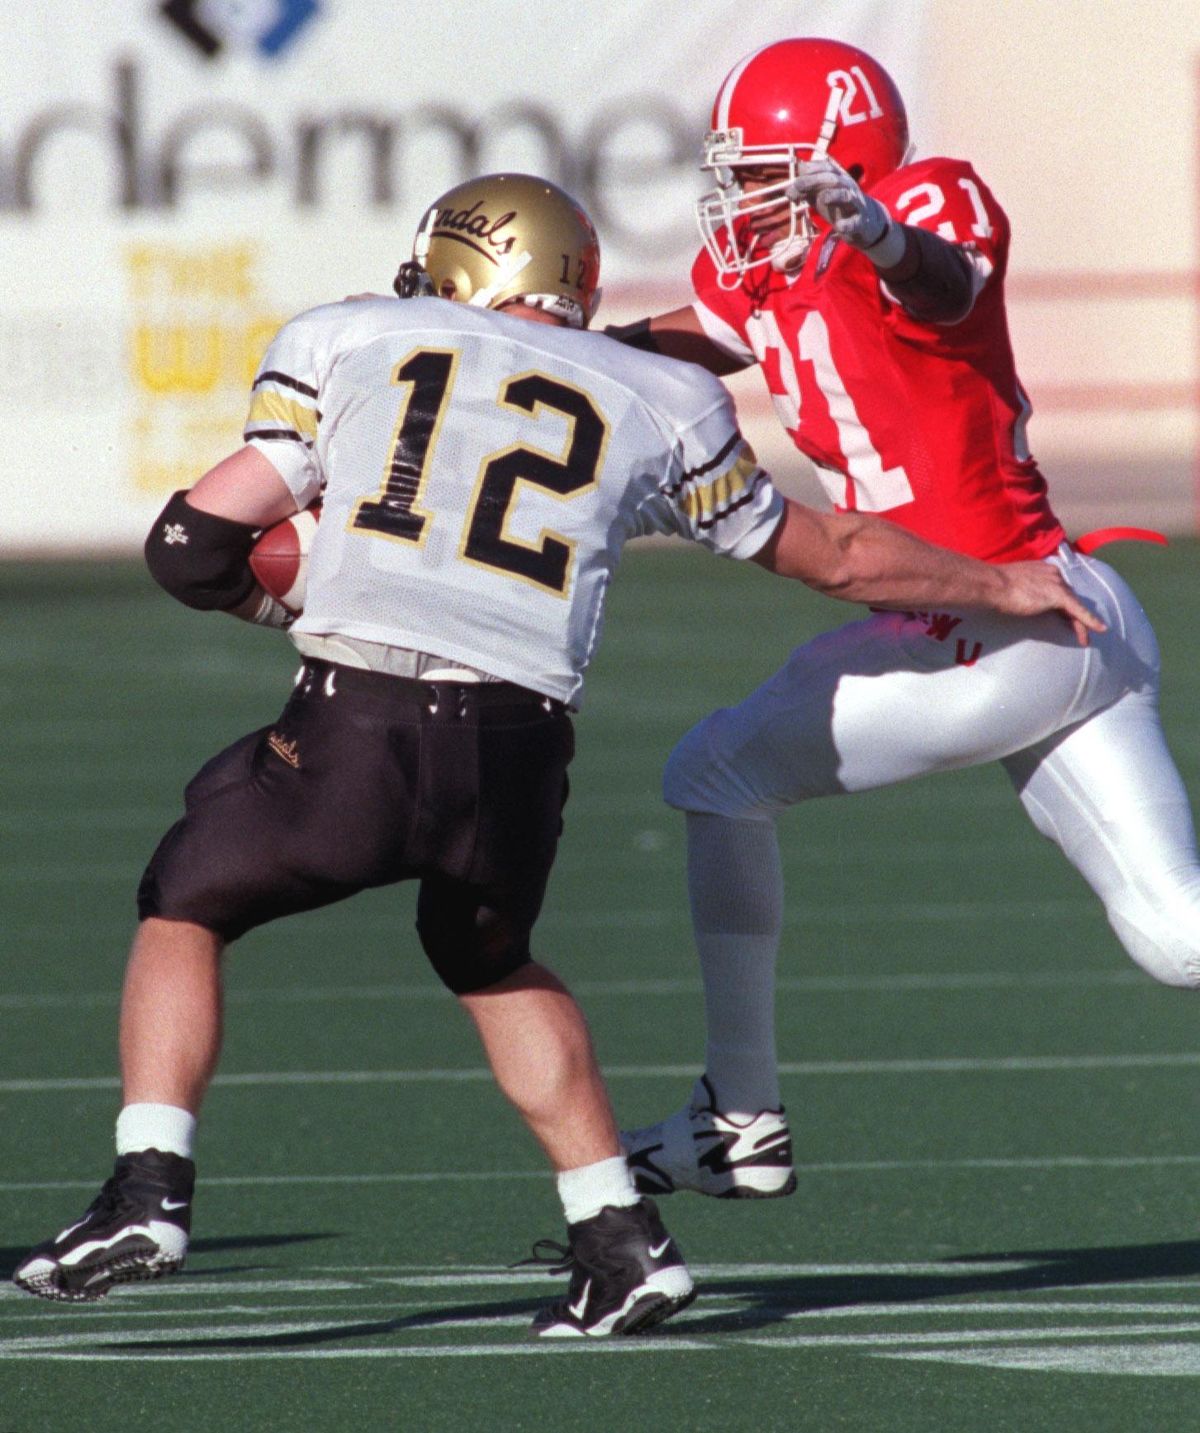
164 271
173 358
177 358
153 476
197 331
211 433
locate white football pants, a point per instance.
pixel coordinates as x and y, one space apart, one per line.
1077 729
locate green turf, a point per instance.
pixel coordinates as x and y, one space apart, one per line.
1006 1244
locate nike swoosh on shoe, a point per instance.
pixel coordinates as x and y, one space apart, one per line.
576 1310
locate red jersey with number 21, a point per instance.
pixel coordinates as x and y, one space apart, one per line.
919 422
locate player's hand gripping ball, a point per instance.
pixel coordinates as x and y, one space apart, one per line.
279 559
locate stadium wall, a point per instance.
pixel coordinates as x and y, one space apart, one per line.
178 178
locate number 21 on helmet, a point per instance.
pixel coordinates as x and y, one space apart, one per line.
784 104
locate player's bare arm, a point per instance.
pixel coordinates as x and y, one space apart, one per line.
859 558
199 546
244 487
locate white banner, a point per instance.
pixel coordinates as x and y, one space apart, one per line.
178 178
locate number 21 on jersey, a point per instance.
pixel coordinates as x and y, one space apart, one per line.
869 486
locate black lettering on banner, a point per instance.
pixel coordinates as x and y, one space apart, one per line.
149 154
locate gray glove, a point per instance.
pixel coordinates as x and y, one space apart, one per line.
854 216
271 613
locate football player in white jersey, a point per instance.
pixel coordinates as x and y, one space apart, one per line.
480 459
869 289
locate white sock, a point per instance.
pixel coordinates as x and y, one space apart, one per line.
164 1127
592 1187
735 885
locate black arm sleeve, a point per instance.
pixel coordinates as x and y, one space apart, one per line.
635 335
671 343
934 280
202 560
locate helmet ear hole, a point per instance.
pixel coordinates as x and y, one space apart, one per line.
856 173
448 289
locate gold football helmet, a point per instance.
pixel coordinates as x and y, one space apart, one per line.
504 237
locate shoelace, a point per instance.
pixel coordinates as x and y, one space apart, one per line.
549 1254
111 1197
114 1197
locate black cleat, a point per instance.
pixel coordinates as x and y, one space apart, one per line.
136 1228
627 1275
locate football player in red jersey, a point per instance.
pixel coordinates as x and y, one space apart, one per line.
869 289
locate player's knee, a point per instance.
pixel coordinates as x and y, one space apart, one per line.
689 776
471 948
696 777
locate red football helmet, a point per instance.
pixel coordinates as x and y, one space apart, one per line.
782 105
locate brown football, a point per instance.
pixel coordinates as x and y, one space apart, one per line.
279 559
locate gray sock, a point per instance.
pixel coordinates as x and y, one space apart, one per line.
735 884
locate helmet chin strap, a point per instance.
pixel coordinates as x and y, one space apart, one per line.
788 254
566 308
482 298
421 242
412 279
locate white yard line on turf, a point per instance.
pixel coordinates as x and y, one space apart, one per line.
1005 1064
469 1176
484 1350
966 1336
420 1319
158 1346
809 985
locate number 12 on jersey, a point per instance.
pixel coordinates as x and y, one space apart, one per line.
398 513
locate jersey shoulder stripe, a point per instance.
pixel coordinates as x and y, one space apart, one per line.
734 440
727 496
282 414
273 376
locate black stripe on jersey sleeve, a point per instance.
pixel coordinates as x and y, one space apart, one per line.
713 462
271 376
270 434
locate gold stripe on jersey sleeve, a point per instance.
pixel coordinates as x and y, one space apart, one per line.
281 412
702 504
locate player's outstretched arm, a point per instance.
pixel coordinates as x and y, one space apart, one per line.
677 334
930 276
859 558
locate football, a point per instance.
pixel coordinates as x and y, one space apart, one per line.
279 559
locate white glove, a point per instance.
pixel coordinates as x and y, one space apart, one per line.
852 215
